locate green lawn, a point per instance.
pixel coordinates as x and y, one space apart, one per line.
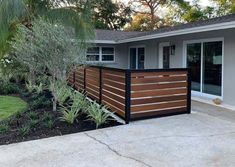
10 105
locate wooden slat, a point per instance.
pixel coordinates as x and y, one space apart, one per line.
157 86
141 74
112 72
114 84
158 93
114 109
137 115
158 106
116 78
157 79
114 90
115 97
93 87
158 99
113 102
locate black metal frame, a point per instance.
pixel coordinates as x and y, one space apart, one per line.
128 73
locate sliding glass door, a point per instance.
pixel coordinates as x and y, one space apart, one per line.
137 57
205 61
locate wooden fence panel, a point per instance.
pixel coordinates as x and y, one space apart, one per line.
79 79
156 93
113 90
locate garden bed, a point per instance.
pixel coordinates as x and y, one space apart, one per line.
39 121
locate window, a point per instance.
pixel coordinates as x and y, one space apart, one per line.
100 54
205 60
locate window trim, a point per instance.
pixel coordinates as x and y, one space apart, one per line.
101 54
220 39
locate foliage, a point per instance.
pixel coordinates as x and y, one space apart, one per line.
69 115
38 102
10 105
97 114
23 131
4 128
8 88
62 92
224 7
49 50
32 115
15 12
49 124
80 101
34 87
46 117
33 123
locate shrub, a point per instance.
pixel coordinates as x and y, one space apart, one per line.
23 131
33 123
46 116
8 88
39 102
4 128
97 114
34 88
81 101
32 115
69 115
49 124
62 91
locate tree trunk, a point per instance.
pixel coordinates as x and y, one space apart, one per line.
54 105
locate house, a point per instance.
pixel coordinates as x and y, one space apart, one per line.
207 47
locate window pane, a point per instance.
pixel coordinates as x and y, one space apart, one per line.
140 58
92 57
194 62
93 50
107 50
212 65
107 57
133 58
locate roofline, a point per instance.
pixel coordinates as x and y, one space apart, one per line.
104 41
219 26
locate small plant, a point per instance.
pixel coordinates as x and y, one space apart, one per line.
62 91
81 101
46 116
29 87
69 115
23 131
32 115
33 87
4 128
33 123
97 114
8 88
39 102
49 124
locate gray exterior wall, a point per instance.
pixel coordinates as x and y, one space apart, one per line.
176 61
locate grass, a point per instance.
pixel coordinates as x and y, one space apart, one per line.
10 105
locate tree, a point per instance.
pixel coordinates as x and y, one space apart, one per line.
224 7
109 15
15 12
148 9
48 50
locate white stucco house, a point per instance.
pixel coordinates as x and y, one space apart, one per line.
207 47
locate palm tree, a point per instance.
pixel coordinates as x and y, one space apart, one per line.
71 13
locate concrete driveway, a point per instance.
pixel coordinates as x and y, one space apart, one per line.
197 139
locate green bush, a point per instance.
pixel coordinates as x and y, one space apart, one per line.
8 88
39 102
32 115
23 131
33 123
97 114
4 128
34 88
46 116
63 92
49 124
69 114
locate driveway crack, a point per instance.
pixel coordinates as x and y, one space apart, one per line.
116 152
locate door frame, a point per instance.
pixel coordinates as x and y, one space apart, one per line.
196 93
160 58
129 54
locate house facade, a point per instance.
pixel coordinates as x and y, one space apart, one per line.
207 47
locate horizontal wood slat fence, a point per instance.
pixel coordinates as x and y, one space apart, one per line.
136 94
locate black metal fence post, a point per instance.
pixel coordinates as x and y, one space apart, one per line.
100 86
127 96
189 92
